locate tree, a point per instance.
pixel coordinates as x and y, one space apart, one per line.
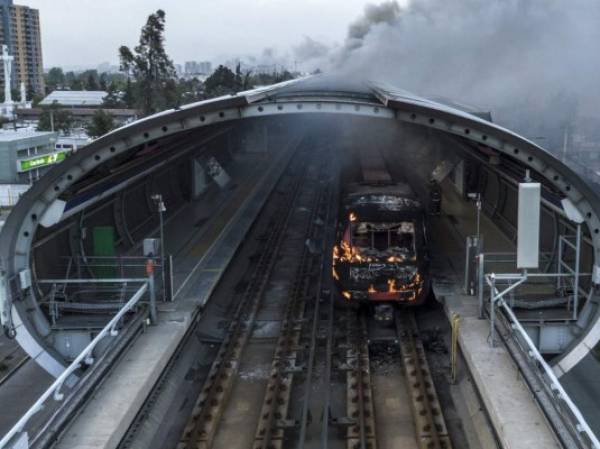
221 82
104 83
238 76
72 81
151 67
53 118
190 90
113 98
102 122
128 94
55 79
90 80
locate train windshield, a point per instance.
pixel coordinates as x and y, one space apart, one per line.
394 241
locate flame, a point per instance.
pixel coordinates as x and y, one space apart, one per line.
334 274
372 289
394 259
347 295
392 286
350 254
336 252
353 217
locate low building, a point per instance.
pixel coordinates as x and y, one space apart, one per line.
25 155
75 98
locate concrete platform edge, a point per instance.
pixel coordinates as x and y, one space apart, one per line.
532 431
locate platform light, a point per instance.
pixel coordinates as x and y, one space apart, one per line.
161 209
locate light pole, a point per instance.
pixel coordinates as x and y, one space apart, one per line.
160 207
476 197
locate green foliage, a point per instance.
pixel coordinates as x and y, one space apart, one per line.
264 79
62 118
114 99
86 80
190 90
149 82
90 79
101 123
222 82
55 79
153 71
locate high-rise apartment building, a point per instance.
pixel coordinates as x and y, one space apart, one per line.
20 31
198 68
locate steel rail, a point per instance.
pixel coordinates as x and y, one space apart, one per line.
202 425
360 433
289 339
361 386
315 325
328 366
431 431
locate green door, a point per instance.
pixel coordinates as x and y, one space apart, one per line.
104 246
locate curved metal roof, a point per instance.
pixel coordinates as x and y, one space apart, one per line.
310 95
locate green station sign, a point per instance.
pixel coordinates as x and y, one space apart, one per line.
41 161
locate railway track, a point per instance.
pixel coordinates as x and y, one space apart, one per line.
430 426
386 369
293 371
267 325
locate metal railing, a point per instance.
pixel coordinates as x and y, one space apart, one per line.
85 357
582 430
484 260
565 240
123 267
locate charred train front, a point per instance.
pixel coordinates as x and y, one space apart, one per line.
380 256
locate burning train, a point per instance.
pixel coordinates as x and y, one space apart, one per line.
380 256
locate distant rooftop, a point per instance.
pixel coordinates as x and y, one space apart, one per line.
75 98
9 135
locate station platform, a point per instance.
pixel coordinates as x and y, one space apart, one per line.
511 407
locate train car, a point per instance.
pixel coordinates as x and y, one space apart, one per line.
380 257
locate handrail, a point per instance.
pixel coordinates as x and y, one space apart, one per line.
91 281
555 385
84 357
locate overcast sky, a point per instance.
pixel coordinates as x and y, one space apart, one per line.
88 32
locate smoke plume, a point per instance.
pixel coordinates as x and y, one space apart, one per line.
533 63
